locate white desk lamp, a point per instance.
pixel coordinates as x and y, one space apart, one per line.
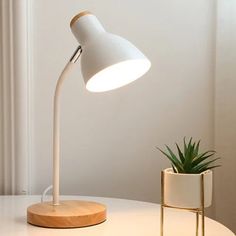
107 62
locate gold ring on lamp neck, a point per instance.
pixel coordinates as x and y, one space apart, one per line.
76 17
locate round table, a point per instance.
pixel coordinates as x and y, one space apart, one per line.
124 218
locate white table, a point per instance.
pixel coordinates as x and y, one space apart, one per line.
125 217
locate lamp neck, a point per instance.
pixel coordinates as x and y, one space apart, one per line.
56 124
76 54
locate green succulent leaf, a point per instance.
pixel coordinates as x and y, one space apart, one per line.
189 157
174 169
202 158
197 148
189 160
212 167
173 160
173 155
181 156
185 147
204 165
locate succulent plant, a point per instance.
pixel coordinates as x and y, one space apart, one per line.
190 160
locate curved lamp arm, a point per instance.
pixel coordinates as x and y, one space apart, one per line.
56 125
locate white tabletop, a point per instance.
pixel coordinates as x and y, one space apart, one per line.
125 217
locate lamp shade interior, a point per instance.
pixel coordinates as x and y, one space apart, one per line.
118 75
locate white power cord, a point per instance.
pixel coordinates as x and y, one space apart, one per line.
45 192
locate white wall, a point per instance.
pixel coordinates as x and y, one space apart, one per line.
108 140
225 113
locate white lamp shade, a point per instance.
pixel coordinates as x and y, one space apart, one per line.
108 61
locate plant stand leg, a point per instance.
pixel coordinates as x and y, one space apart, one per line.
162 205
197 222
203 223
162 221
202 205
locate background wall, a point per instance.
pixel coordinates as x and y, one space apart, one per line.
109 139
225 112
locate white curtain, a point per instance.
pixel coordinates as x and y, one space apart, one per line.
15 97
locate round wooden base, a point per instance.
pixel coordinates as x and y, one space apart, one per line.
69 214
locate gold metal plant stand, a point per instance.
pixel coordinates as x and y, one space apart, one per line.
198 211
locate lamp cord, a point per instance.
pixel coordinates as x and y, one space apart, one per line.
45 192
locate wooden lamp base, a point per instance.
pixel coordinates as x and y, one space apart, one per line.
69 214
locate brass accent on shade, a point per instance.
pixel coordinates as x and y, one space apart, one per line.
76 17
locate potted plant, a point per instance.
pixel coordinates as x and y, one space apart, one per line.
182 182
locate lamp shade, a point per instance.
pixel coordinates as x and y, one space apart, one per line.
108 61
